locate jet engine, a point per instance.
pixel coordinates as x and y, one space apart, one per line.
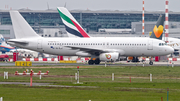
109 56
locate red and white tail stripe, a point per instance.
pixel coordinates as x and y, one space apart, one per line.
143 19
166 21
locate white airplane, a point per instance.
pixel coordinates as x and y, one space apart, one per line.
74 29
103 49
174 43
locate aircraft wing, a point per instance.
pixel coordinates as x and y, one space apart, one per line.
96 50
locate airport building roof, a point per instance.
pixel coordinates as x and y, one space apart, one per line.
91 11
91 20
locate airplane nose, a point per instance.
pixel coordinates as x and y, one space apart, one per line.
170 50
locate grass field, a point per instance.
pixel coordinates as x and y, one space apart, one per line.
98 84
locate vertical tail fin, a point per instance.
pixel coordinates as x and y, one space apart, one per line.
158 28
4 47
21 28
72 26
1 39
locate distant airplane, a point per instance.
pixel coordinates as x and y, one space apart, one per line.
174 43
4 47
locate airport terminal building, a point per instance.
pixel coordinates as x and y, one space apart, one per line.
48 23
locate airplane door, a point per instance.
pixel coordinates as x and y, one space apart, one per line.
39 45
150 45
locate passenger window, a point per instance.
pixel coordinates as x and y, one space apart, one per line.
159 44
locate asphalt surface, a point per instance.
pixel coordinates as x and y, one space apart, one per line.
121 63
25 83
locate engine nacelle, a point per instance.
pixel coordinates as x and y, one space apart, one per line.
109 56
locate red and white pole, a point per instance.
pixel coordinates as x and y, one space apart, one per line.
77 74
31 74
166 22
143 19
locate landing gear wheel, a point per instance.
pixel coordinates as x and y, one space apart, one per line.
97 61
151 63
135 59
90 62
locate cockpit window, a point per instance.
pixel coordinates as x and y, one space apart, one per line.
162 44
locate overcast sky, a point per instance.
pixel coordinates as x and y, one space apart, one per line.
150 5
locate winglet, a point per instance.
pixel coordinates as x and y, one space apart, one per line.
72 26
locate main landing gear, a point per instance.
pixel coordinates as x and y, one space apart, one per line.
91 62
150 62
135 59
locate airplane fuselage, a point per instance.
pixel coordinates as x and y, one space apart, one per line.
126 46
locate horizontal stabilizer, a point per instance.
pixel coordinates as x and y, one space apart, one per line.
15 41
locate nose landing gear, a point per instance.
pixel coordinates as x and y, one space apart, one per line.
150 62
